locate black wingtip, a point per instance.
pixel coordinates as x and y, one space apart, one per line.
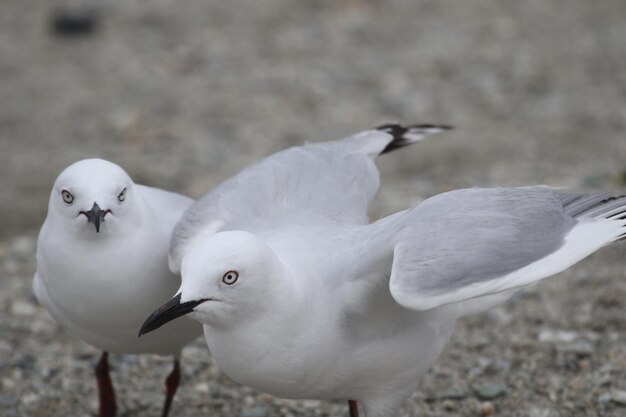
388 127
407 135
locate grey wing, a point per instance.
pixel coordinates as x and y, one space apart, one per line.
470 243
322 183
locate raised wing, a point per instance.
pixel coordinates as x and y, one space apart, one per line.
475 242
322 183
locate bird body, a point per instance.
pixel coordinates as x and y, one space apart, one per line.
112 282
321 183
99 284
301 297
309 338
332 319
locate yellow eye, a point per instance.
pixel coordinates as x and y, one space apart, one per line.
230 277
67 197
122 196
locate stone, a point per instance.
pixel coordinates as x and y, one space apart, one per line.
489 391
557 336
259 411
618 397
451 394
486 409
23 308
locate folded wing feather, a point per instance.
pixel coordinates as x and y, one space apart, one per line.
470 243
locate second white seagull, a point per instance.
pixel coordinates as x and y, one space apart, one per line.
301 298
102 266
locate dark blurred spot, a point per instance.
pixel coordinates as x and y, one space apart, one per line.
74 22
25 362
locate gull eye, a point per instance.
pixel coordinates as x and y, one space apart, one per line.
67 197
122 196
230 277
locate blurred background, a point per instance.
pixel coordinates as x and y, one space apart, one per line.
183 94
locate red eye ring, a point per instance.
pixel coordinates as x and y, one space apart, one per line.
230 277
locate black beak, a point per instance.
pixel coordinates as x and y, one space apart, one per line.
95 216
168 312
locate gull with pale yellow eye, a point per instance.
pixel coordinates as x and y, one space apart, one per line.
102 266
301 297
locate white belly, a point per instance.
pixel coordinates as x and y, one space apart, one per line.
322 364
104 302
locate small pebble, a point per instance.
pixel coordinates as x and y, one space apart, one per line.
9 383
202 387
539 412
580 348
604 399
22 308
449 405
254 412
43 326
486 408
29 398
489 391
554 336
484 362
311 404
619 397
450 394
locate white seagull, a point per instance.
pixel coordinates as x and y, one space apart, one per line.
301 297
102 266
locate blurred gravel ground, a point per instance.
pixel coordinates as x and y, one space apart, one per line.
184 94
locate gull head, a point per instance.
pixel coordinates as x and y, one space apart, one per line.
90 195
226 278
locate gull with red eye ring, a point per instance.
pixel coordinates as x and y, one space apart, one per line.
331 306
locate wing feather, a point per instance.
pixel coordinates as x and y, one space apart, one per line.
318 184
470 243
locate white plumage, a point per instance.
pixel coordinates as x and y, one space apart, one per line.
100 282
300 297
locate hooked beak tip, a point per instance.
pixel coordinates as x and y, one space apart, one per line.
168 312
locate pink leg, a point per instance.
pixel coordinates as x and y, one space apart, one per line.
106 394
354 409
171 385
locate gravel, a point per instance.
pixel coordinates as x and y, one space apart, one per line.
184 94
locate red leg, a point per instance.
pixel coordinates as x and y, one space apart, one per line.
171 385
354 409
106 394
